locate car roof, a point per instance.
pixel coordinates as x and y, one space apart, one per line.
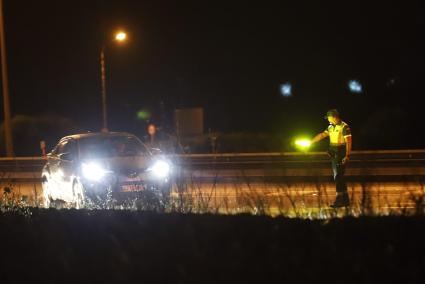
96 134
101 134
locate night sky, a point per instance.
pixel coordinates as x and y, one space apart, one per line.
229 57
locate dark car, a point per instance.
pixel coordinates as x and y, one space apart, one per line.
96 168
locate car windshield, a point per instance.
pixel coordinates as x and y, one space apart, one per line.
111 146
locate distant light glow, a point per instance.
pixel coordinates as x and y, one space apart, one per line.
143 115
286 89
391 82
355 86
121 36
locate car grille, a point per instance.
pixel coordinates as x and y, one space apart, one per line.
130 173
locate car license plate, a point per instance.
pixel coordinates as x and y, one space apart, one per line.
132 187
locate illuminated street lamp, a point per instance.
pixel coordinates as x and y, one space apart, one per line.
119 37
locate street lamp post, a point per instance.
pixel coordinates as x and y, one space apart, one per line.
5 83
119 37
103 86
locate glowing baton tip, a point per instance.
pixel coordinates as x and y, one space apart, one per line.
303 143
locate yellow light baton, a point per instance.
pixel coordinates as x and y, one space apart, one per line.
303 144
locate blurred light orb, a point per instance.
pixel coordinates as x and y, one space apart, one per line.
391 82
143 115
355 86
286 89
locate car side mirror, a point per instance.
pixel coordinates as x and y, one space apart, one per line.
155 151
66 156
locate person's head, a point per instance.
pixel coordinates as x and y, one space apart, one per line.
120 147
333 116
151 129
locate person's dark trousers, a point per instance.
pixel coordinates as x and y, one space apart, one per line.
337 154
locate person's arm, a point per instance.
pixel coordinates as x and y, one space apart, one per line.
320 136
348 144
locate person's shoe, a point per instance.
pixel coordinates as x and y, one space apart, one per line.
342 200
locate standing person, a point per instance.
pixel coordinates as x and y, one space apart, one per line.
152 139
160 141
340 139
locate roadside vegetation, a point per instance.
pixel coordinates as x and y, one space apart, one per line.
293 200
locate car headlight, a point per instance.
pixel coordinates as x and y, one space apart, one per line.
160 169
93 171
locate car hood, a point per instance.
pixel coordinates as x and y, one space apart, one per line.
124 164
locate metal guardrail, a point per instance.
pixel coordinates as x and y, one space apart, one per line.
369 163
22 164
303 156
36 163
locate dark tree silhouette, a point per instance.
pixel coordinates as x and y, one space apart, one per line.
28 131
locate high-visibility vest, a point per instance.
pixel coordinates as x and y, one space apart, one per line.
338 133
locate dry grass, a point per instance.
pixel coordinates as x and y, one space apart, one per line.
241 195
